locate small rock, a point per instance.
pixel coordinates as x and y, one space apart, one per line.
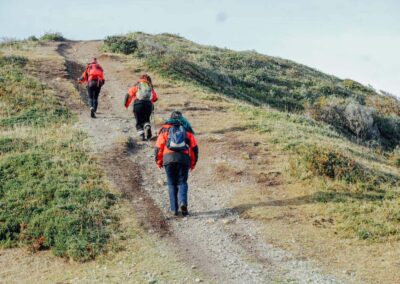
227 221
198 280
210 221
194 266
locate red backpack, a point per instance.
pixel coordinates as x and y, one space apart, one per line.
95 71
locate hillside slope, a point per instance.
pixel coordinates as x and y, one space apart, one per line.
277 196
357 111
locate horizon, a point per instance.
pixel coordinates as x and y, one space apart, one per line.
357 40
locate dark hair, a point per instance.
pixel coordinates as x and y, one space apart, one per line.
146 77
176 114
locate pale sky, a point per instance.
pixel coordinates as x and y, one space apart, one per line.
357 39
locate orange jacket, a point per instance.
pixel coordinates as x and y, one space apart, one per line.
132 94
89 75
165 155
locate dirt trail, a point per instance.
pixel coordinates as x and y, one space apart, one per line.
215 240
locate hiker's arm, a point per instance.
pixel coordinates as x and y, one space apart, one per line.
130 96
194 153
84 77
159 149
154 96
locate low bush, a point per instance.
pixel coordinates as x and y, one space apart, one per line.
50 36
358 121
120 44
32 38
331 163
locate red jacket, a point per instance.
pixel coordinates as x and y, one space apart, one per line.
132 94
165 155
92 72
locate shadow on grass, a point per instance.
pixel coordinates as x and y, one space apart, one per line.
318 197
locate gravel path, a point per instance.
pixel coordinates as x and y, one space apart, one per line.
224 247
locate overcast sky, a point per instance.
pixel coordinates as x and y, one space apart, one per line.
358 39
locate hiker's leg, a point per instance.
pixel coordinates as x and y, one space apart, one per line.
183 174
147 110
138 112
91 93
96 97
171 171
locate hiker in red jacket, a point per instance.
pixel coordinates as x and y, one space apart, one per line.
93 76
143 96
177 151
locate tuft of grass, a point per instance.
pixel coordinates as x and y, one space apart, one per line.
52 195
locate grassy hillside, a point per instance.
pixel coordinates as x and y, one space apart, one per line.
357 111
352 181
52 195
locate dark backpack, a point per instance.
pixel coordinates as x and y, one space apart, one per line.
177 139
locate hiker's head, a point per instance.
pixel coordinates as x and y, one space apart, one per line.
176 115
145 77
94 60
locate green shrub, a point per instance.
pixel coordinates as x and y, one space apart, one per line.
120 44
32 38
331 163
52 37
18 61
389 129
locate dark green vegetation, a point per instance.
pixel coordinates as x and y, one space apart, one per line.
357 111
120 44
51 192
50 37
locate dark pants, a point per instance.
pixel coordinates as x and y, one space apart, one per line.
93 93
142 111
177 176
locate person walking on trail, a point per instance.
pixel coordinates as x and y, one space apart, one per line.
176 150
143 96
93 76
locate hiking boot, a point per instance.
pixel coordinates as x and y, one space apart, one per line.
172 214
92 113
147 131
184 210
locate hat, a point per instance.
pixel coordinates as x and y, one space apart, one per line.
176 114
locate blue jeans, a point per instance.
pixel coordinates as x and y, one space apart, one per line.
177 176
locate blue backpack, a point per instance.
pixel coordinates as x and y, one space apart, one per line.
177 139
